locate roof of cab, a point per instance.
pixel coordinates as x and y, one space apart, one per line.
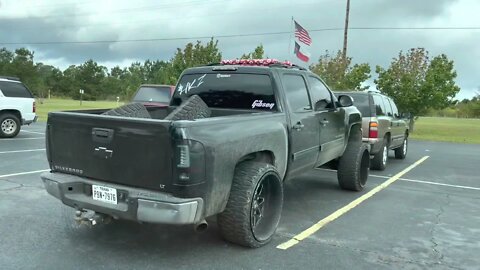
215 68
9 79
156 85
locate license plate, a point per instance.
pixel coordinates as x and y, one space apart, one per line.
104 194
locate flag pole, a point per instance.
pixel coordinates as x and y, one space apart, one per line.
290 40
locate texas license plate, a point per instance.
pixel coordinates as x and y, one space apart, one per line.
104 194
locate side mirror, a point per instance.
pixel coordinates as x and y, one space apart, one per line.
345 101
321 105
405 115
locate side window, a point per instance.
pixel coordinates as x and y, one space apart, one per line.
395 109
388 106
14 89
319 92
379 105
296 92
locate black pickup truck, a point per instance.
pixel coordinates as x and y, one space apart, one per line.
256 127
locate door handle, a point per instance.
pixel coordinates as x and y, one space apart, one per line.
324 122
298 126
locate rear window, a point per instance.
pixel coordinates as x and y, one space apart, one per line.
153 94
362 103
14 89
228 90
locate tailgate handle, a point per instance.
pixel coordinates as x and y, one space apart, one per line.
102 135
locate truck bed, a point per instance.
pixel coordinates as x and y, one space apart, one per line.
136 152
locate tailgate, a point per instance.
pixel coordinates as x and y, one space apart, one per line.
130 151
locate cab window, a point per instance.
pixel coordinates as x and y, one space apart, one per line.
227 90
296 92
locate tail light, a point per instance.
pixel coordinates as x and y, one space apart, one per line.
373 130
190 160
34 109
183 156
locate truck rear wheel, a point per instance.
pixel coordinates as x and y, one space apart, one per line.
193 108
254 207
354 166
135 110
9 125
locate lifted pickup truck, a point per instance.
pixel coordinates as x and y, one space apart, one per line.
256 127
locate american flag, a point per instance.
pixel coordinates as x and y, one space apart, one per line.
302 34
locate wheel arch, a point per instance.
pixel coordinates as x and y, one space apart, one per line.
266 156
354 122
355 129
17 113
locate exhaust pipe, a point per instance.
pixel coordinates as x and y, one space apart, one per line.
201 226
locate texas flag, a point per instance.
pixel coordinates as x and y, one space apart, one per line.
301 53
302 41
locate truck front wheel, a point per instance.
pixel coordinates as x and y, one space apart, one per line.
354 166
254 207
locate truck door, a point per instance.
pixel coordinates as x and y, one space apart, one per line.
304 126
331 121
